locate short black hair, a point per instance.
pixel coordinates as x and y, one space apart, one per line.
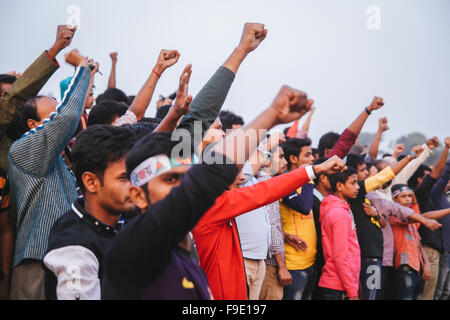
163 111
340 177
113 94
148 146
19 125
141 128
97 147
229 118
419 173
130 100
294 147
6 78
354 160
105 112
327 141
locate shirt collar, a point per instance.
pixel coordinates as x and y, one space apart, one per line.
81 212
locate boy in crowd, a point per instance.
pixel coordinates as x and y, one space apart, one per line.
340 275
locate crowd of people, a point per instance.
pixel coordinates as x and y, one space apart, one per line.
99 201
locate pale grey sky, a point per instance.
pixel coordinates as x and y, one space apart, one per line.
323 47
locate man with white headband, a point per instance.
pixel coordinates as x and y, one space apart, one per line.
149 259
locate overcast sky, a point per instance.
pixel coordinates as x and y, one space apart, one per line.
338 51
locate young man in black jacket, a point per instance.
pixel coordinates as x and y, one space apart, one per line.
78 240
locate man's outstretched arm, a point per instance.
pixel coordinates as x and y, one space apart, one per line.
34 78
207 103
348 137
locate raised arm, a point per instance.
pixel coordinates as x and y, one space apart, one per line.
207 103
112 75
439 167
427 149
382 127
348 137
437 194
34 78
181 105
142 100
37 150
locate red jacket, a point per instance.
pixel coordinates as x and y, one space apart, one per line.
340 247
216 236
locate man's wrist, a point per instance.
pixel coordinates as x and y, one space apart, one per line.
159 69
368 111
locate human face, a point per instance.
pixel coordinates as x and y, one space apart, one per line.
214 133
363 173
158 187
4 87
349 189
306 156
278 163
405 198
112 191
45 106
238 181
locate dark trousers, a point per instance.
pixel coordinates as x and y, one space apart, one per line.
331 294
370 277
408 283
387 284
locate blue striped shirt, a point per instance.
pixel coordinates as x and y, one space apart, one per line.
41 181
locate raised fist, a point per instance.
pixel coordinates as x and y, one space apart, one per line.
166 59
183 101
64 35
433 143
290 105
113 56
399 148
383 124
252 36
376 104
75 58
447 142
332 165
417 150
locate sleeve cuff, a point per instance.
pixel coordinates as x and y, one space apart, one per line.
310 172
54 61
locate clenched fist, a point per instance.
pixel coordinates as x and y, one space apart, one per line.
433 143
166 59
113 56
447 142
252 36
383 124
64 36
75 58
376 104
290 105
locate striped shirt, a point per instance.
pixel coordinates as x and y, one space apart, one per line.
41 181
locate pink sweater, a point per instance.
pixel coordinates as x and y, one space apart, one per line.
340 247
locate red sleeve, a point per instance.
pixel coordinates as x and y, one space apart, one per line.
343 145
238 201
54 61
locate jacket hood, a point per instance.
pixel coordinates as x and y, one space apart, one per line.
332 202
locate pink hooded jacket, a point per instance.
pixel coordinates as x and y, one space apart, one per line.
340 247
